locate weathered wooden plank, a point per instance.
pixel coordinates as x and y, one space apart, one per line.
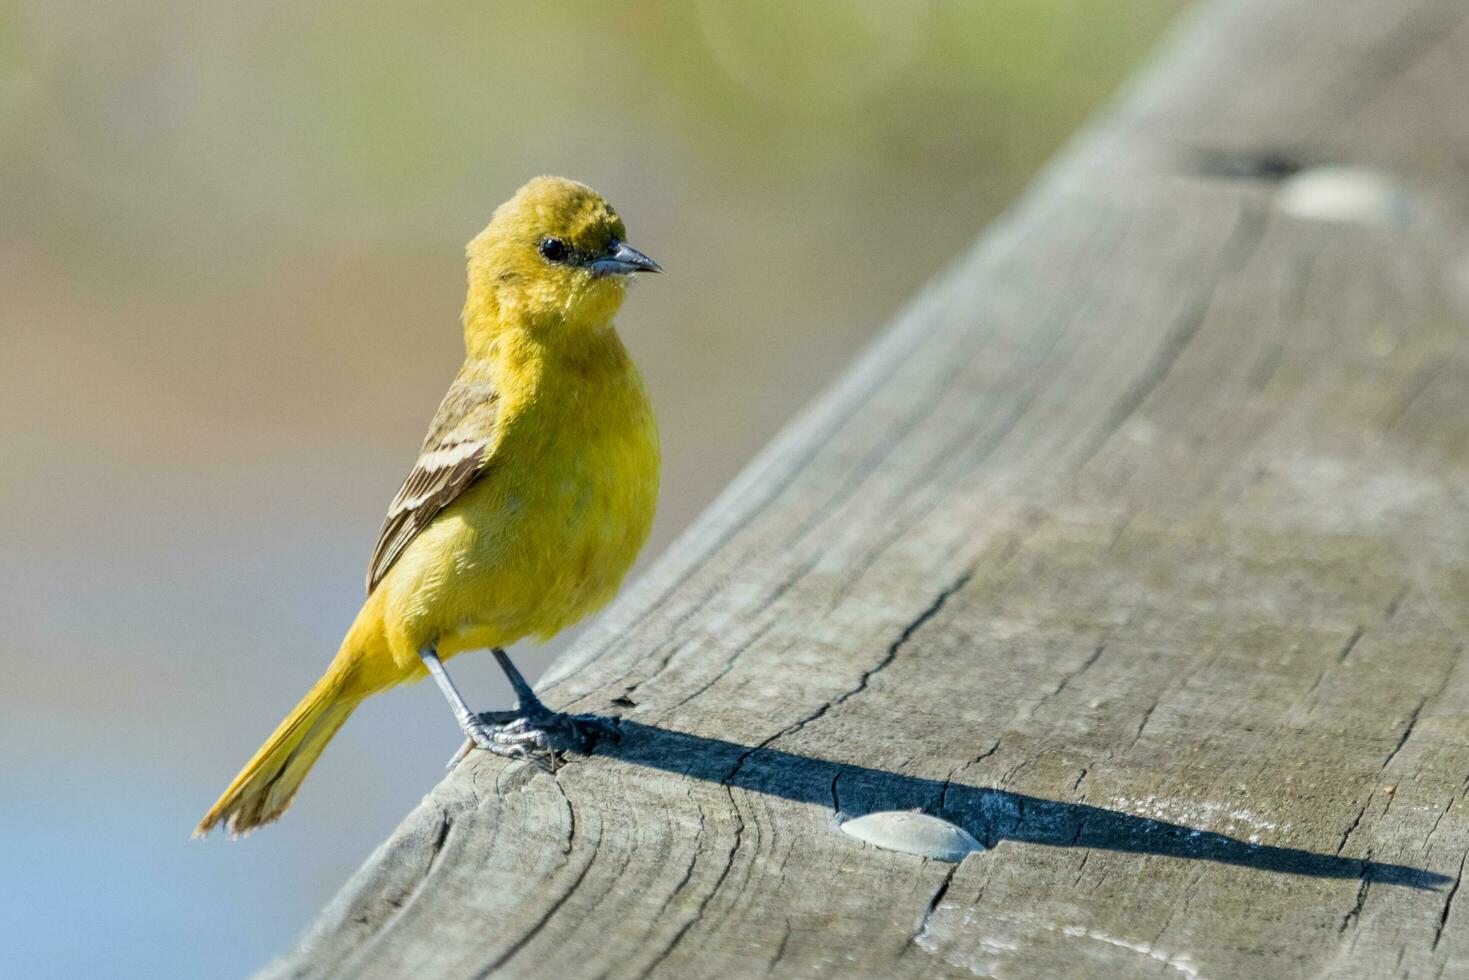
1138 546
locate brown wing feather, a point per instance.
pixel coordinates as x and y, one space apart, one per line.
454 454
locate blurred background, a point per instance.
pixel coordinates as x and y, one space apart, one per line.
231 268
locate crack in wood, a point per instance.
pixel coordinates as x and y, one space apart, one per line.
1349 646
549 913
1448 905
1073 675
1438 820
1143 723
1355 912
949 779
1407 733
1346 835
780 950
405 892
933 903
688 873
867 675
1248 232
683 930
729 663
892 652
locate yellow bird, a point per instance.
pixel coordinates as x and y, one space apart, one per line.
533 493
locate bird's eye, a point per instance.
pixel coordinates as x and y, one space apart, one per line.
555 250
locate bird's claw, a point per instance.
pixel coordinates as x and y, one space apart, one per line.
538 736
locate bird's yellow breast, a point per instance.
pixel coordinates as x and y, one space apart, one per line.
547 533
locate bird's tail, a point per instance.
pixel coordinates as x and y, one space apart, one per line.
268 783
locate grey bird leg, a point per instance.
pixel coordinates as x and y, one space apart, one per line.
526 732
530 705
511 738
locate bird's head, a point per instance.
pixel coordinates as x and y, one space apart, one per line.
552 260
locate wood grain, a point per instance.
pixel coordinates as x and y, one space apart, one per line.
1138 547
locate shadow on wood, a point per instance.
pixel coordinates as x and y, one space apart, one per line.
991 815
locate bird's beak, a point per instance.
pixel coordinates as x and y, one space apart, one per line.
621 259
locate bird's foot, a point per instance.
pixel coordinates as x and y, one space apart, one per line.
536 734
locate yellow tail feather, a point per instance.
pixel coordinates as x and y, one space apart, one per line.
268 783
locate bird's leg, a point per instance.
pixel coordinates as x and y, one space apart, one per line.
531 731
499 732
539 724
530 706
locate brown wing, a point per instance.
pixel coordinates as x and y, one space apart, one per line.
458 445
